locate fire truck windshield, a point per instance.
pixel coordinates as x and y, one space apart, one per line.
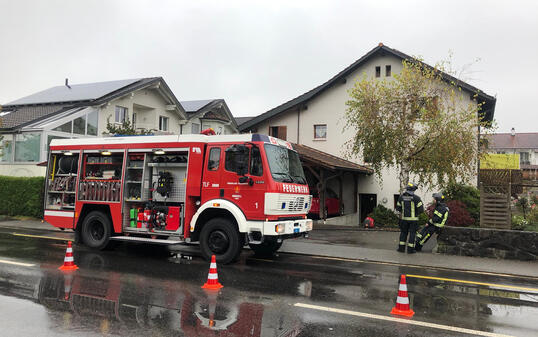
284 164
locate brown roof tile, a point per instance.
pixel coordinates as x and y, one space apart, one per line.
519 141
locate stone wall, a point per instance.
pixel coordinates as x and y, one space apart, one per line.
485 242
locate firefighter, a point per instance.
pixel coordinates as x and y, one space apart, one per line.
434 225
410 206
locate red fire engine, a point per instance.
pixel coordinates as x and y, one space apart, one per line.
221 191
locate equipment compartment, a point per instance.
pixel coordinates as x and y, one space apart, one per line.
61 183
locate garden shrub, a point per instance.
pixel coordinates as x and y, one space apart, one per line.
468 195
21 196
384 216
458 215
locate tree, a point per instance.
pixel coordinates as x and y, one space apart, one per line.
416 122
125 128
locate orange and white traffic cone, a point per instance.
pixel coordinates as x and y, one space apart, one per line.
212 277
402 301
69 262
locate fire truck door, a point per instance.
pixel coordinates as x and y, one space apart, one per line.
246 191
211 184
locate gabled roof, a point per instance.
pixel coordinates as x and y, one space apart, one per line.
195 106
325 159
215 109
73 93
518 141
381 49
47 103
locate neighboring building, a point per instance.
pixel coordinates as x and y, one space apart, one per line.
316 119
524 144
81 110
209 113
242 120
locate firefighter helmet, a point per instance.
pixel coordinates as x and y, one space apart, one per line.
438 197
411 187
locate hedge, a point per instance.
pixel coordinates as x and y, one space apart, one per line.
21 196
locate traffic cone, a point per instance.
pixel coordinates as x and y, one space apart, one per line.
212 277
69 263
402 301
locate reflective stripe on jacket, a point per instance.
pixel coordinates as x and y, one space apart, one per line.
440 215
410 206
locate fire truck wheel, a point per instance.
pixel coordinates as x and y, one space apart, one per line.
219 237
96 230
267 248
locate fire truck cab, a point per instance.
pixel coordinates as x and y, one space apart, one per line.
221 191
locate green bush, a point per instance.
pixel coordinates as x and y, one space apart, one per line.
21 196
468 195
422 219
384 217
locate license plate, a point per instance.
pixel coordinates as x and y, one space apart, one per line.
296 230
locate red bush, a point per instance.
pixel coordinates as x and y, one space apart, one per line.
458 215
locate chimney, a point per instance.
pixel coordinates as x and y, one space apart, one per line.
513 132
67 83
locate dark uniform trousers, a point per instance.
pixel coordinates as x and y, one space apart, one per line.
408 227
425 234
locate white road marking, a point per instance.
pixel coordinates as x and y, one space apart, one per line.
400 320
17 263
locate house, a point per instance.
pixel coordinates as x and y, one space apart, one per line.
81 110
524 144
316 119
28 124
209 113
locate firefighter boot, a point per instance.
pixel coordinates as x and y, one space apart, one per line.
411 248
401 248
418 247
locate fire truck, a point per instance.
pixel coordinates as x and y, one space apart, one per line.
221 191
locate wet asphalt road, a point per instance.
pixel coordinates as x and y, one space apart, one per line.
139 290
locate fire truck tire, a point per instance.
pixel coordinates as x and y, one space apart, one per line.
267 248
96 230
221 238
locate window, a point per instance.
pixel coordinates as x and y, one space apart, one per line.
163 123
6 149
236 159
214 159
320 131
79 125
387 71
27 147
501 152
91 129
195 128
121 113
284 164
256 167
524 158
378 71
67 127
278 132
219 130
134 120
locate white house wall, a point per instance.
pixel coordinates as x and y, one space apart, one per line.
147 118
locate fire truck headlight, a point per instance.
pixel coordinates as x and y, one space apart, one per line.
280 228
309 225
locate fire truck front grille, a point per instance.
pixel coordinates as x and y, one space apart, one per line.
280 203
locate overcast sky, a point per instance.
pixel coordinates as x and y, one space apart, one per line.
257 55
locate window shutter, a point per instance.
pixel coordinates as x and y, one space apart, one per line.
282 132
